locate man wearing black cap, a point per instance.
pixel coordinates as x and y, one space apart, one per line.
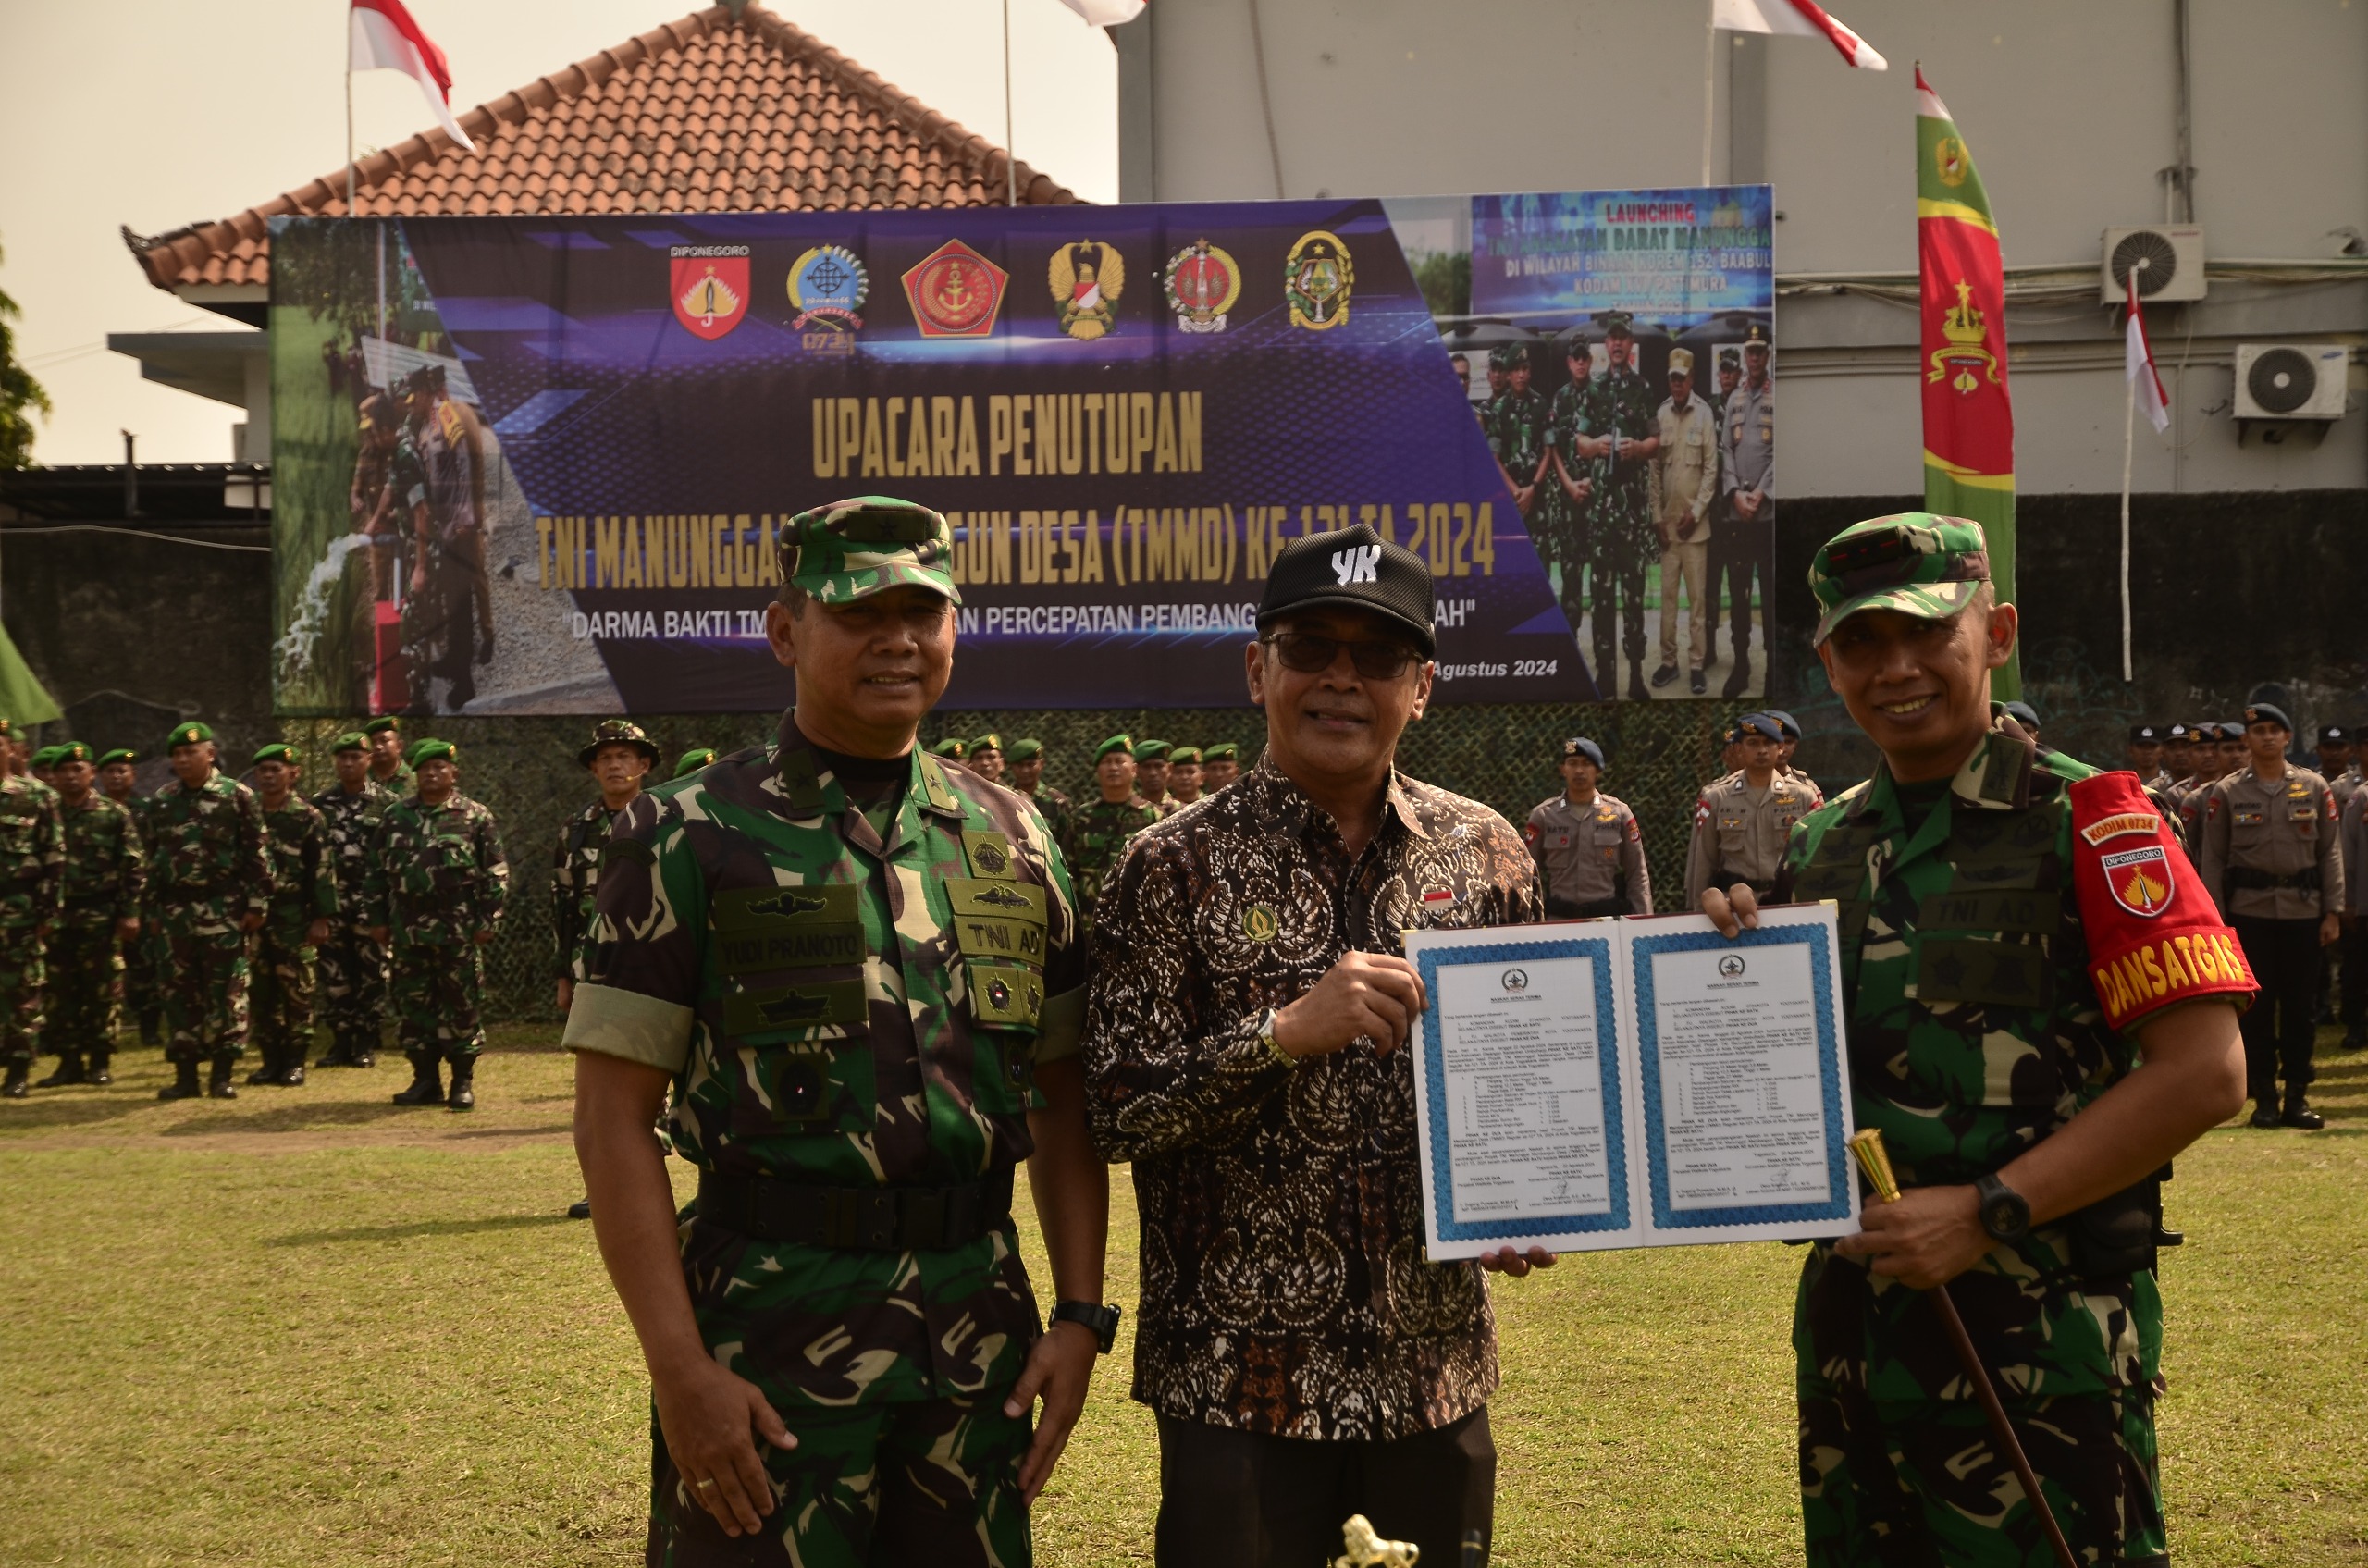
1245 1037
2178 756
2338 760
1741 823
2271 858
1589 852
2146 755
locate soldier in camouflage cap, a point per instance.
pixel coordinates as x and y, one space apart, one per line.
303 912
619 755
2018 929
33 875
104 869
209 885
856 968
353 968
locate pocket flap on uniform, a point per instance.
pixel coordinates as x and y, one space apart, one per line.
793 1006
996 900
755 910
2011 974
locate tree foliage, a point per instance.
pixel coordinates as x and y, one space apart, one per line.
18 393
1445 278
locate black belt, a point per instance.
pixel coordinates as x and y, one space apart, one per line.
1576 909
2305 880
1723 879
875 1219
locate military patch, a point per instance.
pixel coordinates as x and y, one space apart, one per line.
828 287
2011 974
2120 824
995 900
710 287
2140 880
1203 284
759 910
793 1006
989 854
955 292
1259 924
799 946
1318 280
1011 997
1017 941
1086 278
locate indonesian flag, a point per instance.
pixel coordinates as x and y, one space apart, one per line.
1106 13
1795 18
386 39
2140 362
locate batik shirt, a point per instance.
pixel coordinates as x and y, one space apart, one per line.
1284 1285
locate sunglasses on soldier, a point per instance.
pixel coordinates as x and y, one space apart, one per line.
1383 659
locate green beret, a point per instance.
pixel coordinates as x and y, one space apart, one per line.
1115 743
433 750
352 740
952 749
692 760
617 732
851 549
73 752
1025 749
381 724
47 757
987 742
1185 754
1227 752
120 754
7 729
189 734
278 751
1151 751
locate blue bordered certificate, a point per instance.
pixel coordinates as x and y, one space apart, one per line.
1633 1083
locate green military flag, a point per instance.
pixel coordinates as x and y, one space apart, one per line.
22 696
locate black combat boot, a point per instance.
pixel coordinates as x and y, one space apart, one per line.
219 1084
2299 1113
292 1070
465 1095
580 1209
2264 1104
184 1085
69 1073
1739 678
151 1028
341 1051
1638 691
364 1050
427 1082
19 1081
99 1077
269 1068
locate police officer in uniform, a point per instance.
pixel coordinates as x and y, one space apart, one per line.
2016 933
353 966
2338 760
2145 754
2272 859
1099 833
1748 488
2178 756
1589 852
105 868
1741 823
2354 946
866 1005
1789 728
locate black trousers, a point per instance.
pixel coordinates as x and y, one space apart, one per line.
1740 548
2353 949
1247 1500
2281 1024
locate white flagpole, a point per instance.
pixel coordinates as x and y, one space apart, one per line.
2129 437
1010 157
1710 76
348 113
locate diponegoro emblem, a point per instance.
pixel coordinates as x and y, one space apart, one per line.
710 287
2139 879
956 292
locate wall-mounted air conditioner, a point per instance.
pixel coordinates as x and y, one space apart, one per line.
2168 259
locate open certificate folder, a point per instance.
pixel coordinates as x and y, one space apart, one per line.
1637 1082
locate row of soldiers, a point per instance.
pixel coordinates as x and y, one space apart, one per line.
239 906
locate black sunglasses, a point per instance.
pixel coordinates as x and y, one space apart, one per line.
1310 654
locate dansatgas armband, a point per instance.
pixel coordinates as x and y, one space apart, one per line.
2154 935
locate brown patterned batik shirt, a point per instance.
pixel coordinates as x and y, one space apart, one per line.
1284 1287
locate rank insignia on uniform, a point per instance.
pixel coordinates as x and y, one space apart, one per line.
1318 279
710 287
956 292
1259 924
2140 880
1087 278
1202 285
828 285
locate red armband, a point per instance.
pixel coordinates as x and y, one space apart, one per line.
2154 935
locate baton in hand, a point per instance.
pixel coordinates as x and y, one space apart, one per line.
1867 1145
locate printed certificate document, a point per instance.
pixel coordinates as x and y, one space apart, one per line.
1637 1082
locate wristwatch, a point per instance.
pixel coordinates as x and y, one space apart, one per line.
2004 1213
1101 1320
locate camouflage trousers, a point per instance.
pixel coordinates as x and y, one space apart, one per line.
143 978
1889 1484
934 1481
1619 594
1559 534
438 991
205 987
352 985
281 1005
23 977
85 986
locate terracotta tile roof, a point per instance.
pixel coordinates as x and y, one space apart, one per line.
717 112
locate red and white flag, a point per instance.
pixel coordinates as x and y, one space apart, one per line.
1795 18
1106 13
2140 364
386 39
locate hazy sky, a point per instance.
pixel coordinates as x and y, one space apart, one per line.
160 113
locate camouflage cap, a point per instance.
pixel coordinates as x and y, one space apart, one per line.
278 751
1617 322
987 742
192 732
693 760
953 747
851 549
1509 356
433 750
352 740
1917 562
1185 754
617 732
1115 743
383 724
1224 751
1027 748
1151 751
120 754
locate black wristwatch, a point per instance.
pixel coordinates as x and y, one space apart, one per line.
1101 1320
2004 1212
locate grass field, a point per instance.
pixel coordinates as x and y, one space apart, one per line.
311 1327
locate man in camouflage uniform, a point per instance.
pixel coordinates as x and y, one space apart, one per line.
1515 423
434 888
303 912
209 885
1220 765
1744 541
33 876
104 869
1026 767
352 995
856 968
388 769
2017 931
1559 523
1622 533
144 992
1150 774
1184 774
619 756
1099 833
986 758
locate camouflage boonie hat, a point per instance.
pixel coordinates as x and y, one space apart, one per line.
189 733
120 754
352 740
692 760
851 549
617 732
1025 749
1917 562
278 751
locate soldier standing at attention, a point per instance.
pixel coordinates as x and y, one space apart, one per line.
1620 528
388 769
1184 774
1515 423
1150 774
303 912
620 756
352 965
952 749
209 886
1099 833
1790 729
1220 765
2035 1195
1590 855
435 885
33 879
986 758
1741 823
1748 481
2338 761
144 995
857 969
1568 478
104 869
1027 779
1687 469
2272 859
118 776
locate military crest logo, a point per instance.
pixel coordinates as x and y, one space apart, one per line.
1318 279
1087 278
709 288
1203 283
1259 924
828 287
2139 879
956 292
1966 357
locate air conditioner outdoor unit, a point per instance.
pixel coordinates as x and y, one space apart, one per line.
2169 259
2290 380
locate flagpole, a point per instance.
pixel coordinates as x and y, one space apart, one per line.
349 116
1710 76
1010 158
2128 440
